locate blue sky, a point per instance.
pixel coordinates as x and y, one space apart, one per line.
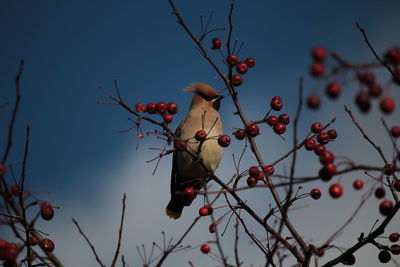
77 154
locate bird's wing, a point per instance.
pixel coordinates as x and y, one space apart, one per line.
174 172
175 206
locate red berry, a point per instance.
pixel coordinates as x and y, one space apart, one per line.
2 170
387 105
205 248
188 195
380 192
331 168
47 245
320 252
389 169
252 130
180 145
336 190
11 251
279 128
276 103
333 89
396 185
317 127
140 107
315 193
318 53
224 140
34 240
269 170
172 108
211 228
161 107
260 176
386 207
395 249
251 181
254 171
15 190
232 59
237 80
167 118
349 260
375 90
317 70
323 138
284 118
313 101
319 149
310 144
393 56
251 62
203 211
358 184
240 134
395 131
272 120
394 237
200 135
326 157
151 108
216 43
384 256
367 78
363 102
332 134
326 172
46 211
241 67
396 77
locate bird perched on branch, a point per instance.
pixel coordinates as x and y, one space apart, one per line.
197 152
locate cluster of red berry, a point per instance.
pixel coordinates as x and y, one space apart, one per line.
241 67
326 158
9 251
278 123
363 97
255 174
252 130
165 110
318 54
233 61
384 256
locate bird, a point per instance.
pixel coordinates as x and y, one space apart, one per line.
188 174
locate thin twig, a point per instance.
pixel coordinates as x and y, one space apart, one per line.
89 243
14 113
120 232
365 135
373 50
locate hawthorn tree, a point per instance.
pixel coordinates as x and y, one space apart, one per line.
282 243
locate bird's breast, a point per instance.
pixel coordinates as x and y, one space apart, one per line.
210 152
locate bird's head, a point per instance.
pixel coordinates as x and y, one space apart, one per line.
204 95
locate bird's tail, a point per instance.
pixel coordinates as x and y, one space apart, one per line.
173 210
